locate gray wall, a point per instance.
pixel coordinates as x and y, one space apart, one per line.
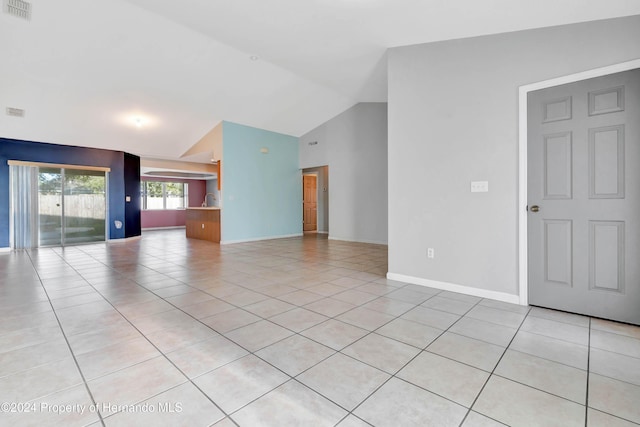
453 119
323 196
354 147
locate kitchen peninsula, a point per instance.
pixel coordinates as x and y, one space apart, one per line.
204 223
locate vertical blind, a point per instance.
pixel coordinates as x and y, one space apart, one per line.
24 202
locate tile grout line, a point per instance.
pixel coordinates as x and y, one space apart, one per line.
565 322
491 374
350 412
294 333
617 353
294 378
548 360
222 335
334 318
250 352
197 320
543 358
586 402
561 397
149 341
370 332
255 254
413 358
353 358
73 355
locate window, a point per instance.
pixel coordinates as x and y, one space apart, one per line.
164 195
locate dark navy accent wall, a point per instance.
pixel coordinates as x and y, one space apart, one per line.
11 149
132 223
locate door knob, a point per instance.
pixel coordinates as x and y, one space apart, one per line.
534 208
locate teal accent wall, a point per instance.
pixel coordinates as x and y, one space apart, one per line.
261 193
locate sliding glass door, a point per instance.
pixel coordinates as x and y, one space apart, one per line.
50 206
84 202
61 206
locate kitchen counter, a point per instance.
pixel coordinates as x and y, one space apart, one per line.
204 223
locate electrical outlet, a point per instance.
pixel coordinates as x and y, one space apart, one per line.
431 253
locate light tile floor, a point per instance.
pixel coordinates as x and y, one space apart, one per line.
301 331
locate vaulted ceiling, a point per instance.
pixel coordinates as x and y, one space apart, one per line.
86 71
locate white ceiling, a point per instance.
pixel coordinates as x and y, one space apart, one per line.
84 70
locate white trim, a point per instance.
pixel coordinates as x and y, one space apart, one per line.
57 165
461 289
258 239
123 240
322 232
164 228
523 256
6 249
344 239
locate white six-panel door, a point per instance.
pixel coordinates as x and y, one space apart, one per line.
584 197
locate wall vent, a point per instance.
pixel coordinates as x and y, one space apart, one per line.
15 112
18 8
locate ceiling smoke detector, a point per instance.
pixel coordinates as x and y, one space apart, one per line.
15 112
18 8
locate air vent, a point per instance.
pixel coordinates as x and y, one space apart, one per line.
15 112
18 8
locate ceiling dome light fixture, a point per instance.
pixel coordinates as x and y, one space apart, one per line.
138 119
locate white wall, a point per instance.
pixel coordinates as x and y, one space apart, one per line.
212 187
354 147
453 119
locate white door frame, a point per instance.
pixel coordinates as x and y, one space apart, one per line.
523 255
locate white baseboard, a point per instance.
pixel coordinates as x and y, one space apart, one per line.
126 239
343 239
286 236
462 289
164 228
322 232
7 249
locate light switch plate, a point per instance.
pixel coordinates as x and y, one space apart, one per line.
479 186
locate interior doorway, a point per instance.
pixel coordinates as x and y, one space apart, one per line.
315 200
